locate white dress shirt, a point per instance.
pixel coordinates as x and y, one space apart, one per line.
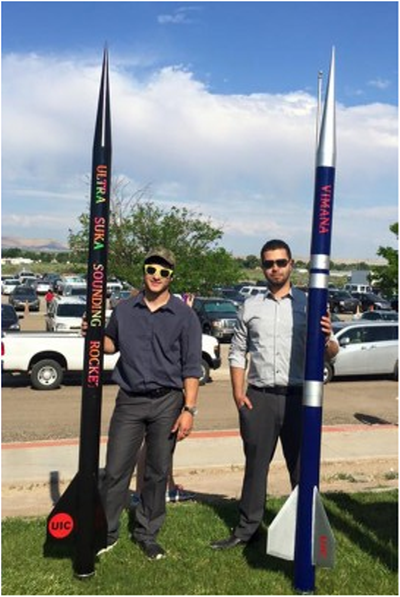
272 332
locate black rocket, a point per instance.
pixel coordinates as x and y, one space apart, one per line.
77 522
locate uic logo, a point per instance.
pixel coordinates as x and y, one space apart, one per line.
61 525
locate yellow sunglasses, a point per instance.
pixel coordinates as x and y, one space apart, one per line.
163 272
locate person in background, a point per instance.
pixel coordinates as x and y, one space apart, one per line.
48 297
271 330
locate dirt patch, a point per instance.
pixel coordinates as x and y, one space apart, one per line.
225 483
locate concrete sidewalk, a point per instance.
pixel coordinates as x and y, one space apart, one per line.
30 463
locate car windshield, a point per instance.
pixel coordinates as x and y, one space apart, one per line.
78 291
71 310
19 291
220 307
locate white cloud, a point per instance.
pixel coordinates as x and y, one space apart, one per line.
379 83
247 161
179 16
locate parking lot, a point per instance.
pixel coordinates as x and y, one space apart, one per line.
28 414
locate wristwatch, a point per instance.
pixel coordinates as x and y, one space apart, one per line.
191 409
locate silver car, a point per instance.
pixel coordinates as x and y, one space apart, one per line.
366 348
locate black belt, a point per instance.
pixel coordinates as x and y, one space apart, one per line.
278 390
158 393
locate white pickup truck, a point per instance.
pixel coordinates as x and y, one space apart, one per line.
46 356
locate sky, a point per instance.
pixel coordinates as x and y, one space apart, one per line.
213 109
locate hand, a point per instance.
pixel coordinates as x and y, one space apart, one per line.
331 348
242 401
326 325
183 426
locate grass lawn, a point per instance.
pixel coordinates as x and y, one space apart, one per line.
365 526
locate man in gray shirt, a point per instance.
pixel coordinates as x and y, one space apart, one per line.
271 330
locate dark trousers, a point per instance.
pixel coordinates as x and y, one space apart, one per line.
133 419
272 417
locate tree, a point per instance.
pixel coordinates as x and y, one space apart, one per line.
387 276
137 224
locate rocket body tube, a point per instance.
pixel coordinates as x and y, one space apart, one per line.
306 543
301 530
78 518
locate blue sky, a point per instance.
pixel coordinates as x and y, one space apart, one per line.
213 108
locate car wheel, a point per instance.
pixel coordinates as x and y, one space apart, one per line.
336 309
205 372
396 371
328 372
46 375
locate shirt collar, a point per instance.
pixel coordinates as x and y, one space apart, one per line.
138 301
290 295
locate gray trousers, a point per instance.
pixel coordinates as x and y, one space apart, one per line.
133 419
272 417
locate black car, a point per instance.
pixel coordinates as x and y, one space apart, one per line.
22 295
9 319
342 302
378 315
217 316
370 301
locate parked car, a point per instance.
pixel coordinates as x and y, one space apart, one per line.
118 295
75 289
369 300
42 287
65 314
52 280
22 295
380 315
217 316
366 348
113 286
233 295
247 291
60 284
8 285
29 281
10 319
342 302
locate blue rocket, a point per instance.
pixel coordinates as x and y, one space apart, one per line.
301 530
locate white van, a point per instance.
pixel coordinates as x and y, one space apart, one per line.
65 314
363 288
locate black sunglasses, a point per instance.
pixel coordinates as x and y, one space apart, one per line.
269 263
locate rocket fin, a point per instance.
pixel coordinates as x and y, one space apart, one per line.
63 521
282 530
323 553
